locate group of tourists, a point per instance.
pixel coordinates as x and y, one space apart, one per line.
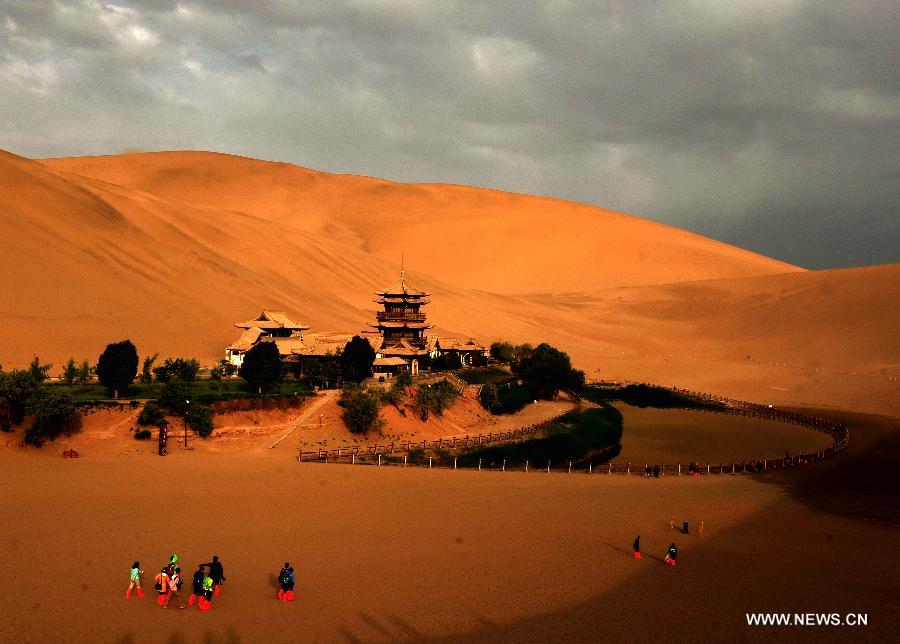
205 584
671 555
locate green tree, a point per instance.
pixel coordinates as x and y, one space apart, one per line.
262 366
146 376
503 351
85 373
16 389
175 396
489 398
54 414
180 368
199 418
39 371
117 366
70 372
361 410
357 358
550 370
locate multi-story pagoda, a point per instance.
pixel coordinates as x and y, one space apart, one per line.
402 326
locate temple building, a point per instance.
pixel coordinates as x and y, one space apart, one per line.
468 353
400 327
268 325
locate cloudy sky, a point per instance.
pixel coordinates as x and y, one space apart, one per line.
771 125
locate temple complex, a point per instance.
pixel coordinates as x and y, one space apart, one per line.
398 336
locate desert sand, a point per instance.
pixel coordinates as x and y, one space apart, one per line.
170 249
386 554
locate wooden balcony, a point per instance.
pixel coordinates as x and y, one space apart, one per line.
383 316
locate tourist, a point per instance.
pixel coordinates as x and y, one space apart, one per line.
289 593
206 598
637 547
701 529
173 564
175 583
283 580
656 471
135 584
162 585
196 586
217 573
672 555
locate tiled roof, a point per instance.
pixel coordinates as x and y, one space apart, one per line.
272 320
389 362
248 339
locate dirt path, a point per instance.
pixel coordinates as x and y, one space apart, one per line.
318 404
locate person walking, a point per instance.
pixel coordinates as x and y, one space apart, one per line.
206 599
217 573
289 594
196 586
135 584
175 583
162 585
672 555
637 547
283 580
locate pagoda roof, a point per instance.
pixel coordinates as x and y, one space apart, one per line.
402 287
272 320
402 348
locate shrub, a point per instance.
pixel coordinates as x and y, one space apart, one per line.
489 398
434 399
199 418
150 414
70 372
117 366
175 396
143 434
54 414
361 410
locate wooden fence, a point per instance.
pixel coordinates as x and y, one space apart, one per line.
597 463
453 442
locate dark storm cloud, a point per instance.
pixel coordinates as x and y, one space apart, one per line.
771 125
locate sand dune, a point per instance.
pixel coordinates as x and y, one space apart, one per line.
469 237
196 242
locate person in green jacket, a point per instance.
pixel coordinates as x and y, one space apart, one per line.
135 584
208 583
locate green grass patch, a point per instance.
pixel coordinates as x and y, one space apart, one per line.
593 434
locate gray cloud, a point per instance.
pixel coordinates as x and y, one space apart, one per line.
771 125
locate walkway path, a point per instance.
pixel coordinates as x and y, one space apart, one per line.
323 398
